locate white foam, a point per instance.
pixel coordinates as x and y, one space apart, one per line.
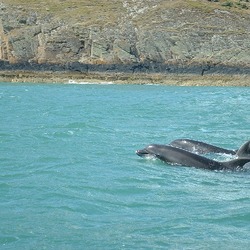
72 82
88 83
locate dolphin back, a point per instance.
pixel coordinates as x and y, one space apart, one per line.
199 147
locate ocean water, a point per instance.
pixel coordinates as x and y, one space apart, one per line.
70 178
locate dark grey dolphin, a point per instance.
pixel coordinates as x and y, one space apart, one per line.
244 150
203 148
182 157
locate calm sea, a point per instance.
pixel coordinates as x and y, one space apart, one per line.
70 178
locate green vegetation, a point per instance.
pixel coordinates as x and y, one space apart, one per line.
102 9
240 4
110 13
86 11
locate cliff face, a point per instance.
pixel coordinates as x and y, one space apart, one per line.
125 32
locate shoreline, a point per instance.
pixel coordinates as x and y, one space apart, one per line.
22 76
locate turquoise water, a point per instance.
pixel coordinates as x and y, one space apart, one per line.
70 178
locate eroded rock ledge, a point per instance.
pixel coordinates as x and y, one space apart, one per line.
131 68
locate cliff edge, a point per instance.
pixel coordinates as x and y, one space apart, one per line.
126 35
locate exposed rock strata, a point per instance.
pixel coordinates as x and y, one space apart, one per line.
145 37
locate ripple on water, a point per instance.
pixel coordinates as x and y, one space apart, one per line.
70 176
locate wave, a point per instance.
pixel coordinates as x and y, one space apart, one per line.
89 83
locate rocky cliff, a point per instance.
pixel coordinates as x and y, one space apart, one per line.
126 35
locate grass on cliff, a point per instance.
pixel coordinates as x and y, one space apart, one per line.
101 11
83 5
94 11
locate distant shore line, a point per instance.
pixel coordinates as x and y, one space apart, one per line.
72 77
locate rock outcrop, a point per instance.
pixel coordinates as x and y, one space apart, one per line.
135 36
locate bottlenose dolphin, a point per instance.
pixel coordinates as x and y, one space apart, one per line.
200 147
182 157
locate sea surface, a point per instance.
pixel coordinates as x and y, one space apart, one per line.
70 178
